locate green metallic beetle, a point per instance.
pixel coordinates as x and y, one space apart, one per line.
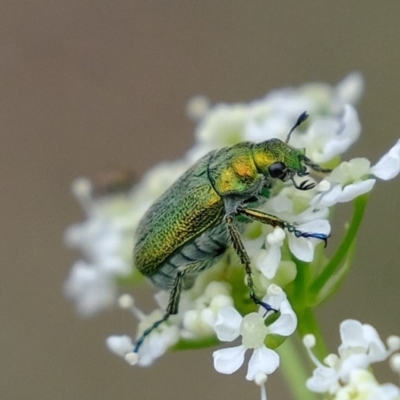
192 224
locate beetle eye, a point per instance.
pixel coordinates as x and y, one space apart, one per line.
277 170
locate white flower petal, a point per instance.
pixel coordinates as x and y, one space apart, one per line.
157 344
322 380
263 360
352 334
376 348
350 89
331 136
120 345
227 361
91 287
354 361
312 214
389 165
352 126
387 391
350 171
315 226
275 296
223 125
302 248
276 237
329 198
350 192
220 301
286 324
227 325
268 261
280 204
362 337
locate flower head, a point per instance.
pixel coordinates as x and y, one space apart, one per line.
361 346
356 177
230 325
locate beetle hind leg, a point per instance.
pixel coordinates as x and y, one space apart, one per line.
148 331
173 303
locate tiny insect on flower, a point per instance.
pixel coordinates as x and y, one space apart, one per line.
205 211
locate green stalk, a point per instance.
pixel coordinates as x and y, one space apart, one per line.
195 344
292 368
301 284
309 324
344 247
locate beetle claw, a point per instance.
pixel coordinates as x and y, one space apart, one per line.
320 236
306 186
266 307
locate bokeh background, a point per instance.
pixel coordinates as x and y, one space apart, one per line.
88 86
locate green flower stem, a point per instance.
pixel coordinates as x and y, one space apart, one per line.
187 344
301 284
360 204
333 286
309 324
292 368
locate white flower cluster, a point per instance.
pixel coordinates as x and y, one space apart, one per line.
166 336
105 238
196 319
213 313
347 375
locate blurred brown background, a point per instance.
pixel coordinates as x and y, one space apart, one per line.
92 85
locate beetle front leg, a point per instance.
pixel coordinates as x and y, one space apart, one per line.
245 260
275 221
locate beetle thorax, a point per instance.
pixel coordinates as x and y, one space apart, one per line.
232 170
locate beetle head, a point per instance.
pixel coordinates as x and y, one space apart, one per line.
278 160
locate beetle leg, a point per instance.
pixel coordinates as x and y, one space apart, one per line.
275 221
173 302
245 260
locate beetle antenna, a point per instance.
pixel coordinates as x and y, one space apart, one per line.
303 116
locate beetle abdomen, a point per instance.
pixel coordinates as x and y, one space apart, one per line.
206 248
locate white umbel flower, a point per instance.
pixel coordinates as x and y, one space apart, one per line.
230 325
363 386
155 345
356 177
361 346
